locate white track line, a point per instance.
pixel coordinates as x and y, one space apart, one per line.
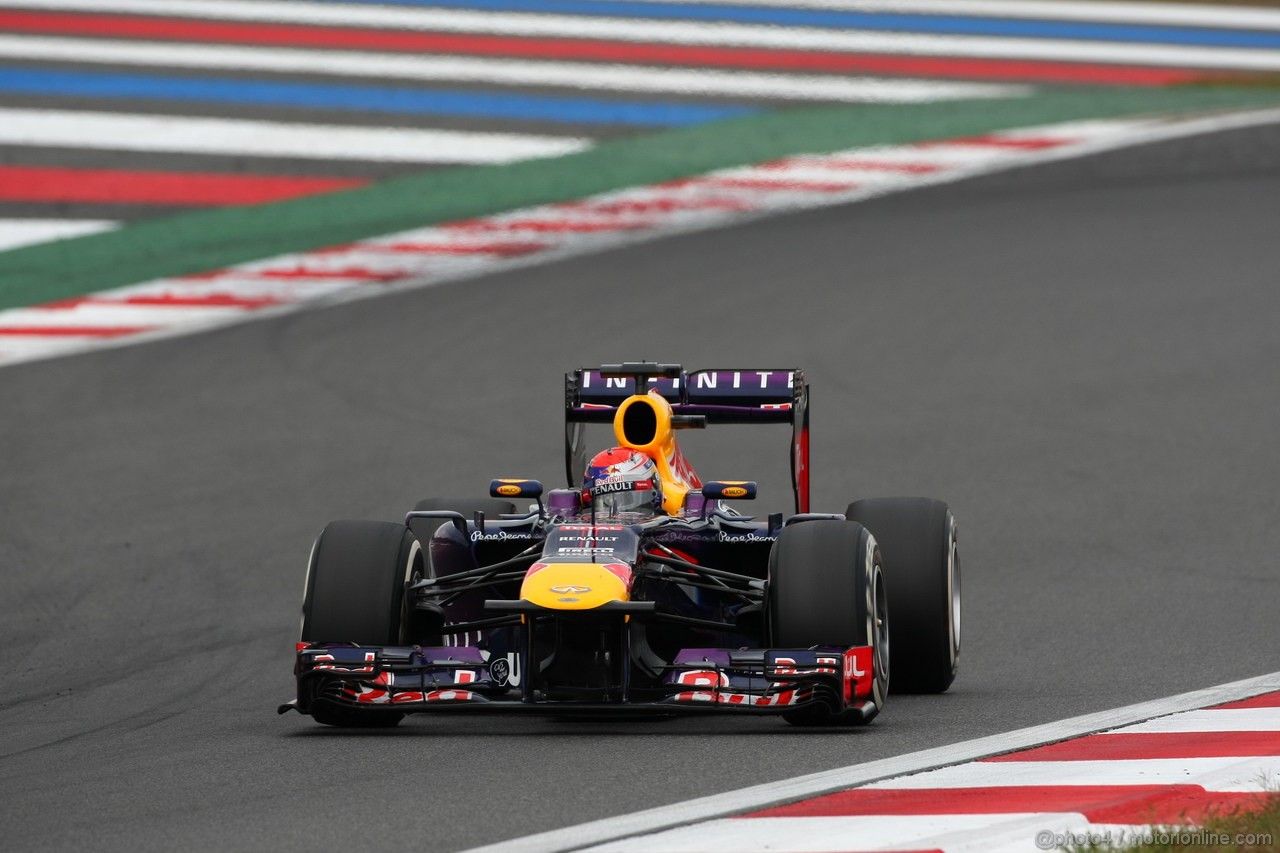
761 796
1158 14
827 834
15 233
627 29
1249 775
126 132
112 314
507 72
1230 720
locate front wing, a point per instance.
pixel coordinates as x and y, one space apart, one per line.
427 678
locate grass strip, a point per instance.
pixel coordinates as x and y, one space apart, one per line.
1228 831
211 239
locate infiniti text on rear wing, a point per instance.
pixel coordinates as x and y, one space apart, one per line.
726 396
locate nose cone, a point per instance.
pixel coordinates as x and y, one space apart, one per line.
576 586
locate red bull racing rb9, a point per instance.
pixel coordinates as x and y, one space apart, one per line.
638 588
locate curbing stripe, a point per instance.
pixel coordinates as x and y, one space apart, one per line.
470 247
599 53
1145 12
119 186
366 268
145 132
504 72
223 237
390 100
699 33
1134 804
938 23
1016 828
16 233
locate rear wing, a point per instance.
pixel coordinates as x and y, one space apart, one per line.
723 396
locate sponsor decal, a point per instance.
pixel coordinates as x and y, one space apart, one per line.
716 680
604 550
369 658
569 589
509 490
680 536
733 491
751 536
610 486
858 677
505 671
703 380
621 571
500 536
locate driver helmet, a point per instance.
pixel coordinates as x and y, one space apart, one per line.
622 481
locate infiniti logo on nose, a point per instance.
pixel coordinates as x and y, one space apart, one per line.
570 590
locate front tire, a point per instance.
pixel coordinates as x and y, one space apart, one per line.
827 588
355 594
918 539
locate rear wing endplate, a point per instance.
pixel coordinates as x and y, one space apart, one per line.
722 396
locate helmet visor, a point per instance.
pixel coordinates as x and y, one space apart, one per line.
623 497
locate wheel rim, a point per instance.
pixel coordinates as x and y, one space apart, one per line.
953 587
880 628
410 575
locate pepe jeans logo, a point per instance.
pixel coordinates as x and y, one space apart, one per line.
745 537
499 536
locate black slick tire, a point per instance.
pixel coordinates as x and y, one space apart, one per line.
826 588
355 594
917 538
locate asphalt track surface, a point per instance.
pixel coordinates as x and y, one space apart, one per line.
1080 357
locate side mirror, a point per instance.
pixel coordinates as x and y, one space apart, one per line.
515 489
737 490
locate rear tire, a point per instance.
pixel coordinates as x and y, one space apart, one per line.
355 594
826 588
917 537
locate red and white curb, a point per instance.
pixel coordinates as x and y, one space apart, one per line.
1110 776
457 250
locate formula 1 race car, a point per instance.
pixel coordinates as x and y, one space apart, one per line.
639 588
